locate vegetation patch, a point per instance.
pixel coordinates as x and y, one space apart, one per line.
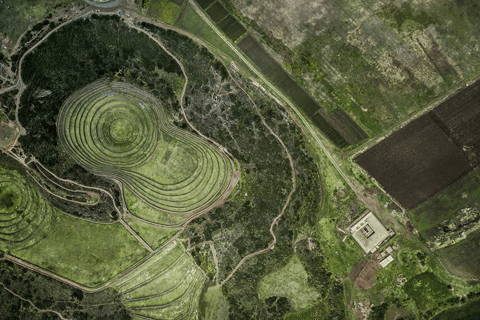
463 258
426 290
165 10
290 282
85 252
469 311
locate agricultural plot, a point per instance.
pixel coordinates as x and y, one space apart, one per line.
25 217
415 162
85 252
120 132
217 12
349 133
232 28
205 3
460 116
165 287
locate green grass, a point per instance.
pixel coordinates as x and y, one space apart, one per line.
167 287
25 217
85 252
290 282
216 304
469 311
140 209
463 258
152 234
426 290
164 10
318 311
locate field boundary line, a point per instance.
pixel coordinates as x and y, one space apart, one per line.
136 235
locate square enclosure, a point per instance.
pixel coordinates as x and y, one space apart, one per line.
369 232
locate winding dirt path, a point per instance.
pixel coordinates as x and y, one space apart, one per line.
31 303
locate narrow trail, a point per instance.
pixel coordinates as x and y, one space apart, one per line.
31 303
287 202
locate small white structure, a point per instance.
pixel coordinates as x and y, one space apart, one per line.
369 232
385 262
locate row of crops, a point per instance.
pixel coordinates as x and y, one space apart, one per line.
25 217
165 287
118 131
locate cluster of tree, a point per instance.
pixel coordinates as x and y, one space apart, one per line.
48 294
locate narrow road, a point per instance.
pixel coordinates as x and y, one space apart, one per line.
299 115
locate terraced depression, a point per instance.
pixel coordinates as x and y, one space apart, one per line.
25 217
116 130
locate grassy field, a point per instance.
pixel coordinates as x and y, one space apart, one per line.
17 15
164 10
25 217
463 258
166 287
85 252
153 235
426 290
469 311
216 304
290 282
129 139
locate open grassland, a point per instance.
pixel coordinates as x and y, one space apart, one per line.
17 15
165 287
426 290
290 282
463 258
118 131
85 252
469 311
152 234
25 217
164 10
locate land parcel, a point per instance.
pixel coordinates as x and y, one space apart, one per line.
415 162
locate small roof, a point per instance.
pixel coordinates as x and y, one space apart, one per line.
385 262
